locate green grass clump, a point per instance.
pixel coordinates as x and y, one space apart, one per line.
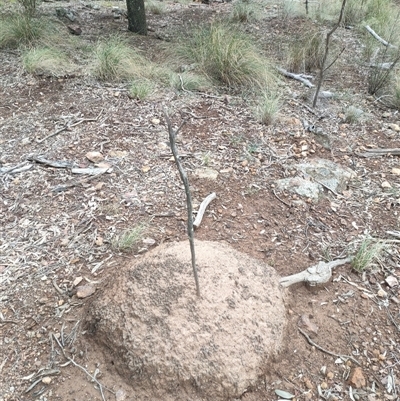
307 52
19 29
46 61
114 59
129 239
226 56
267 108
141 89
368 254
188 81
245 11
156 7
352 115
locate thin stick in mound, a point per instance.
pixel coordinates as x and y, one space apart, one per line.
182 173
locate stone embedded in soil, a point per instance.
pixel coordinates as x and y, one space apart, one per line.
94 157
167 342
207 173
357 378
85 291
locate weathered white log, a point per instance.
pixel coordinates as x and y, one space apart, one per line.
202 209
298 77
91 171
317 274
378 38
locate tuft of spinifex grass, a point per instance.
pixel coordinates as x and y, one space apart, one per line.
114 59
129 239
46 60
226 56
19 29
369 252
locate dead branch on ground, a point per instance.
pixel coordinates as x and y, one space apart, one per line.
378 38
202 209
380 152
298 77
172 136
311 342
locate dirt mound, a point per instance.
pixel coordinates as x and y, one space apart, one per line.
164 339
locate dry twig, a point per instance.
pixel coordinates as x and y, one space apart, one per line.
311 342
182 173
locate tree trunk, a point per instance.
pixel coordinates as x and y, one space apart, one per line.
137 16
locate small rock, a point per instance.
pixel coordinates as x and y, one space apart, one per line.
120 395
324 385
77 281
207 173
85 291
330 375
391 281
386 114
396 171
118 153
381 293
357 378
94 157
146 168
386 184
155 121
46 380
104 165
74 29
99 241
99 186
305 322
394 127
149 241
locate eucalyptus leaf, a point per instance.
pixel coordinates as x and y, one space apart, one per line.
284 394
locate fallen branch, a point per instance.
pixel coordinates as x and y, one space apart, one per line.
51 163
378 38
380 152
317 274
311 342
172 136
68 126
62 188
19 168
202 209
298 77
394 233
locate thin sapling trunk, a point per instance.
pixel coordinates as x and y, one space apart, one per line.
182 173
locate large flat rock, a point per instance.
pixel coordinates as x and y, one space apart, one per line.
169 344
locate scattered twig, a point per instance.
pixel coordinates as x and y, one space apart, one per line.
58 289
62 188
19 168
394 233
172 136
380 152
297 77
202 209
378 38
93 378
51 163
68 126
279 199
311 342
327 40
